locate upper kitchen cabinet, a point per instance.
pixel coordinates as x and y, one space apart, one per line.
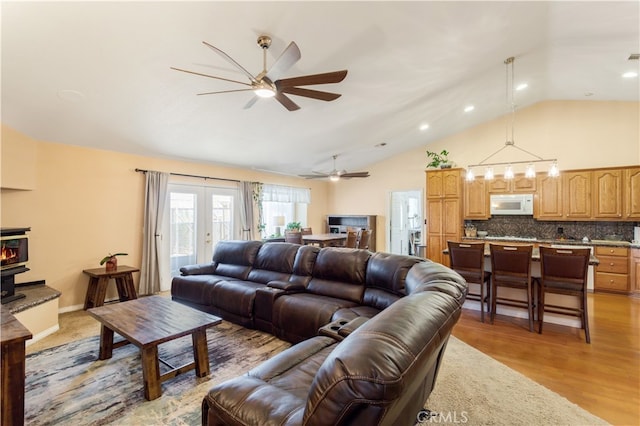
607 191
475 200
519 184
548 198
444 183
576 193
632 193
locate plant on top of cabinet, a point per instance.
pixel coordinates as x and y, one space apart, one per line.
439 160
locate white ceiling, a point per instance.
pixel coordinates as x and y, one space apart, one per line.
98 74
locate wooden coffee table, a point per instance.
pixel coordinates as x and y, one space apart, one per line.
148 322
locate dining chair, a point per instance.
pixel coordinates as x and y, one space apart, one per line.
363 241
511 268
352 239
306 231
467 259
564 271
293 237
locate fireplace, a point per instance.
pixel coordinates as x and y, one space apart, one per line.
14 256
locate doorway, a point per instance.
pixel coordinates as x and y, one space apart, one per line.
199 217
405 222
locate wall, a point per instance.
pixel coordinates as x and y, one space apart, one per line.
87 202
579 134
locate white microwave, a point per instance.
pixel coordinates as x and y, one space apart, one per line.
512 204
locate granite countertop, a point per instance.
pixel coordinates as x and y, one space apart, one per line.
35 295
603 243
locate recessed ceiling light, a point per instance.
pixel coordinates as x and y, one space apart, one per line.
469 108
380 145
630 74
70 95
424 127
588 93
522 86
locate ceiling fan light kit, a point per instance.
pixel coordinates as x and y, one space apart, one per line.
335 175
267 84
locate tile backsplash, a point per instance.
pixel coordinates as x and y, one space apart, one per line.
527 226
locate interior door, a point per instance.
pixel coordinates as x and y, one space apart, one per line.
199 217
405 222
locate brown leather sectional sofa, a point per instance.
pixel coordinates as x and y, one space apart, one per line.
370 330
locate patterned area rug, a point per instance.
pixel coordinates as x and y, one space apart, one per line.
68 385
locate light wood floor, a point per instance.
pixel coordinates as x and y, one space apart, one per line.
602 377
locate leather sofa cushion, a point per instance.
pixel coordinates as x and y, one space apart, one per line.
389 271
276 390
354 312
236 297
277 257
235 258
379 299
340 273
196 288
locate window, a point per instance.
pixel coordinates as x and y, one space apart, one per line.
281 205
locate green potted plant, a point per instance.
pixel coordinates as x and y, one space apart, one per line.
111 261
439 160
293 226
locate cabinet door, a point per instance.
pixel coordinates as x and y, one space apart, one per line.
548 200
434 217
577 194
434 184
524 184
498 185
607 190
632 193
451 220
475 200
451 183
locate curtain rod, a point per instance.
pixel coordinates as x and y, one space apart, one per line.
194 176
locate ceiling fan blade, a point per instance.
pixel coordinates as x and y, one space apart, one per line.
225 91
355 175
286 102
251 102
290 56
307 80
230 59
210 76
315 94
316 176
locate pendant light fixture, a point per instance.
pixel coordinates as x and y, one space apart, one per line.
530 170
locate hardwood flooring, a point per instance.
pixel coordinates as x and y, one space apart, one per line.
602 377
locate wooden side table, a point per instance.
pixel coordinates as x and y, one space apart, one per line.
98 280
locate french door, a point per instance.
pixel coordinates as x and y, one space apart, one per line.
198 218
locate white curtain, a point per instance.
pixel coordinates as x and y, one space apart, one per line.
286 194
246 210
155 197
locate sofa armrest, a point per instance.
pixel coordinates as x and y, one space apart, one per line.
263 308
200 269
287 286
340 329
351 326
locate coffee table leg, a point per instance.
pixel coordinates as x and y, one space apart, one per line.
200 352
106 342
151 372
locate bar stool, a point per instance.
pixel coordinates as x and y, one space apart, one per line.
511 268
564 271
467 259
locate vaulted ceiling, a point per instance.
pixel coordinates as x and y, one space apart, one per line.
98 74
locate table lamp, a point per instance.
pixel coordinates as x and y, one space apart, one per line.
279 222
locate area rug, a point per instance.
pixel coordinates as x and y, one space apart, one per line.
68 385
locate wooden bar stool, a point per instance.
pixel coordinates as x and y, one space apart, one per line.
511 268
467 259
564 271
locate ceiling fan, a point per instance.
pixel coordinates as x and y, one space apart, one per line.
335 175
267 84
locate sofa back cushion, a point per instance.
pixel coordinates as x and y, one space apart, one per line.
235 258
303 264
383 372
274 261
340 273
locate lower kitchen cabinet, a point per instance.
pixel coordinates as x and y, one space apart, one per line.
635 272
612 274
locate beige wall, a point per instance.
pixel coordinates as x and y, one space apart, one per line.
86 203
579 134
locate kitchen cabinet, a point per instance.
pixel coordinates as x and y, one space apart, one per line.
547 204
519 184
612 274
476 205
634 272
632 193
576 192
444 211
607 191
